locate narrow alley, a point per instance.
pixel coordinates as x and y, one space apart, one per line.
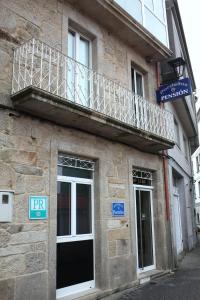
184 284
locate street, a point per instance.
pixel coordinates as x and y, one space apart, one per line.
184 284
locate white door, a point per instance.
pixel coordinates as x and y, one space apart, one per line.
78 72
177 222
144 228
75 235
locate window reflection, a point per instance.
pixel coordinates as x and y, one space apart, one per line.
64 208
83 209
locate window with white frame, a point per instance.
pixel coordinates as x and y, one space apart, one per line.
151 14
199 188
137 82
185 145
176 132
197 164
78 73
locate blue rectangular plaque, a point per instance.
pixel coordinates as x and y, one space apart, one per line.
176 89
38 207
118 209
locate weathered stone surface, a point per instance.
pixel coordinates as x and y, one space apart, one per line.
112 249
120 271
28 237
20 185
34 184
4 238
13 265
7 289
118 234
27 170
7 176
23 157
20 205
4 64
13 250
111 224
117 191
122 247
35 262
4 121
34 227
32 287
14 228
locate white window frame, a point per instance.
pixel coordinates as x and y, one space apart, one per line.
135 82
76 57
177 132
78 36
73 236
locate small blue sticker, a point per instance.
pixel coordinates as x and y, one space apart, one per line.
118 209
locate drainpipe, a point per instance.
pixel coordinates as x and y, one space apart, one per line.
166 179
164 157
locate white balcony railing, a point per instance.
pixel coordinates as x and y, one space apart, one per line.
36 64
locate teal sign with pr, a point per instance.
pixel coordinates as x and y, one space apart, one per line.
38 207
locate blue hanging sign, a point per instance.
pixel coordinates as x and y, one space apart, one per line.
176 89
118 209
38 207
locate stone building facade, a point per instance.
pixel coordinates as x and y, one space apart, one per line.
85 158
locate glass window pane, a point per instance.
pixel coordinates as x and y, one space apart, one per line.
146 224
84 52
83 209
155 26
139 84
74 172
134 8
74 263
71 44
159 9
133 80
71 67
63 208
149 3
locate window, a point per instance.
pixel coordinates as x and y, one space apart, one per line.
151 14
176 130
137 83
78 73
197 164
199 188
185 145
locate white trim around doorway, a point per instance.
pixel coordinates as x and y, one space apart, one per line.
144 188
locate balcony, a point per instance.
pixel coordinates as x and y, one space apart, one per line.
52 86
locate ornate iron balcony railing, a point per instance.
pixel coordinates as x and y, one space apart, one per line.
39 65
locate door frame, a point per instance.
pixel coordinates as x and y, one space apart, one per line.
176 194
150 189
84 286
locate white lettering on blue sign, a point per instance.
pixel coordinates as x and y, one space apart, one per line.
118 209
174 90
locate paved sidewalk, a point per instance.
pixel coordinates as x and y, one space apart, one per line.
183 285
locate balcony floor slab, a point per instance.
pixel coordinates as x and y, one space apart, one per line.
66 113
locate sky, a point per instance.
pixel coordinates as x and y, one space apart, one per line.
189 10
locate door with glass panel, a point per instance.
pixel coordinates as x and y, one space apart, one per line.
144 228
75 236
78 72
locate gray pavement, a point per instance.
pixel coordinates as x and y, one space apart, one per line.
184 284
